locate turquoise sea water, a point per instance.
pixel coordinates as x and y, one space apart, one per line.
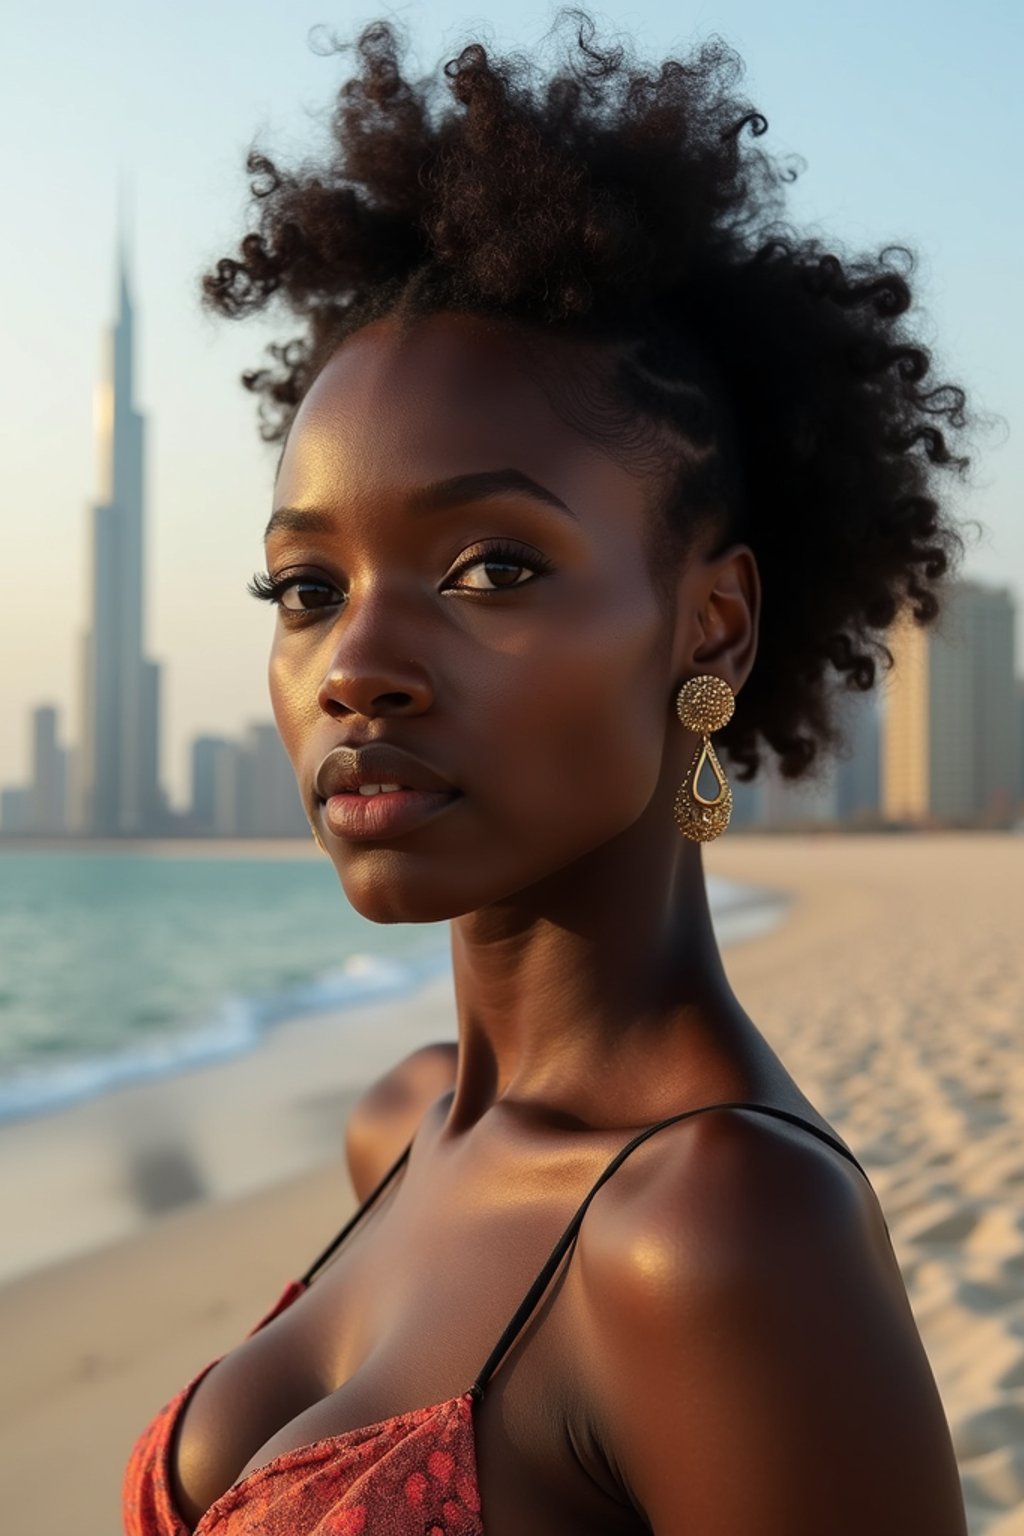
121 966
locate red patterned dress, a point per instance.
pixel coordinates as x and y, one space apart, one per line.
410 1475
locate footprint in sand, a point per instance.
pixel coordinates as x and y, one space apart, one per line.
991 1429
988 1295
1012 1377
952 1227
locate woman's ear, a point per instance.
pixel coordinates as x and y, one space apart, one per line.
718 611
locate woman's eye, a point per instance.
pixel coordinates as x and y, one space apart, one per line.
500 570
303 590
308 593
499 573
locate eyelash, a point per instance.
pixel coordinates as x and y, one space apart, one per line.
271 590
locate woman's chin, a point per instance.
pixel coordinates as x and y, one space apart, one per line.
393 901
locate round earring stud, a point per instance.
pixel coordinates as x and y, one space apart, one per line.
705 703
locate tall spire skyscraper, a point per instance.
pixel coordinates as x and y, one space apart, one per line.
117 790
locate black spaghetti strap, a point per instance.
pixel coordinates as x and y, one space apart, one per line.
568 1237
356 1217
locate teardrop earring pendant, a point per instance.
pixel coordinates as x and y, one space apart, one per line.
704 704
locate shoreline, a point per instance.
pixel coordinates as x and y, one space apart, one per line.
99 1167
892 991
170 847
109 1166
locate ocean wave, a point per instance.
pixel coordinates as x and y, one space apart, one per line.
236 1026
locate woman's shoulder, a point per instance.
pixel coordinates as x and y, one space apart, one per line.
724 1196
745 1309
384 1118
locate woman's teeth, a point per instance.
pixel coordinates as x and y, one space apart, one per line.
378 789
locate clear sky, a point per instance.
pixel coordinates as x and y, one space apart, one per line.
909 117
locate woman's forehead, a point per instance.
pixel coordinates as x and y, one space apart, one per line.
443 394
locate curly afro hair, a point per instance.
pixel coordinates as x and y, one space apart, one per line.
618 201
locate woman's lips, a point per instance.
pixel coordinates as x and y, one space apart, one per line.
359 817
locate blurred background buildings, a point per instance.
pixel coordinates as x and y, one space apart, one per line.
106 783
938 743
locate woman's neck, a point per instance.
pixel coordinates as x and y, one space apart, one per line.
594 996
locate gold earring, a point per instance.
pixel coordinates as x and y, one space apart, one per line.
704 704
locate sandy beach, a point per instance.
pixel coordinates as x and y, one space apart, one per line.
893 990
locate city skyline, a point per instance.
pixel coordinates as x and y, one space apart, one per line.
104 782
933 739
868 180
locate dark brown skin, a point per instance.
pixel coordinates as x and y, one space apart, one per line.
731 1348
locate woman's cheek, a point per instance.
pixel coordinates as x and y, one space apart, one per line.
581 761
293 703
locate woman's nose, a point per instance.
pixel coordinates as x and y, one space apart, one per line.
376 692
366 677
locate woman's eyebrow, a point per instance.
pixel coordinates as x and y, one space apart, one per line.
436 497
476 487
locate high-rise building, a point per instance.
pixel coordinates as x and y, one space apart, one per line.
116 790
48 773
16 808
246 788
858 785
274 806
948 739
230 790
206 752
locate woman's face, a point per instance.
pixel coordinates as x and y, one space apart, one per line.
505 631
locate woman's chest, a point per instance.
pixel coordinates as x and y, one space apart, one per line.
405 1317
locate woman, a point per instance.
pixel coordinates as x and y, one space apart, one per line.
585 459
